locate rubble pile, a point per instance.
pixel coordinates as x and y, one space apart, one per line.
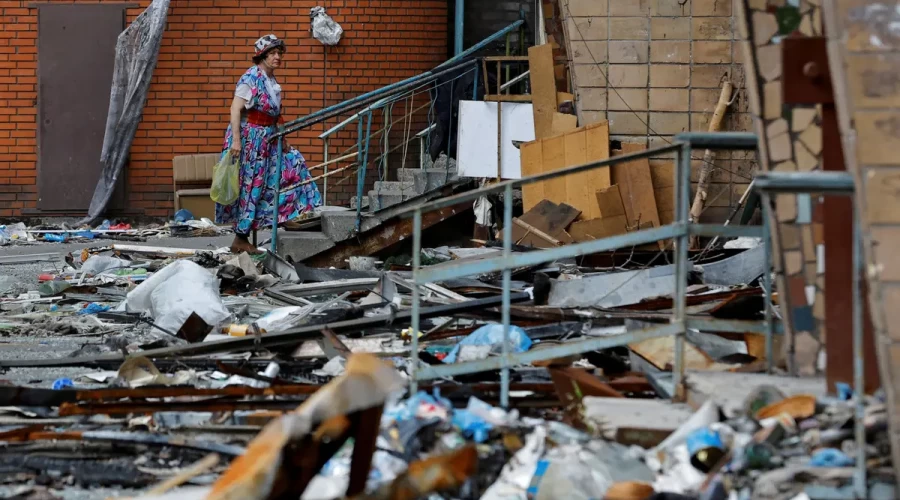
208 375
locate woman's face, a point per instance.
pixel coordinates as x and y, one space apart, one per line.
273 58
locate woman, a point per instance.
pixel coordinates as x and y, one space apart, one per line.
255 112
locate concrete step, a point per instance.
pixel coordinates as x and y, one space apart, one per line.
301 245
340 226
425 179
354 202
406 187
380 201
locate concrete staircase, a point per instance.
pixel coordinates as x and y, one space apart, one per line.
340 225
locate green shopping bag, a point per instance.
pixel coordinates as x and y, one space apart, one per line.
226 182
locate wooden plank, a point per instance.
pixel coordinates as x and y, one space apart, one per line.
549 218
531 230
562 123
595 229
597 140
543 88
532 164
554 159
636 185
663 174
578 189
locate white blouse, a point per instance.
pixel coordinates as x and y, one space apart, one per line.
244 92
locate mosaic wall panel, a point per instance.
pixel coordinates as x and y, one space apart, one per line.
864 53
790 140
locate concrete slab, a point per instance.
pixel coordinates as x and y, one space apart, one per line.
301 245
730 390
653 414
613 289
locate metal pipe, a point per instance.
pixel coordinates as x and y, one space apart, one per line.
722 231
719 140
860 481
557 351
361 173
805 182
767 290
507 284
482 44
682 215
369 98
416 264
438 273
515 80
280 162
325 180
459 21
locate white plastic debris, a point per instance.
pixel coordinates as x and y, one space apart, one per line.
333 368
172 294
324 28
743 242
99 264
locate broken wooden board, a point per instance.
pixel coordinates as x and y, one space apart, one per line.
662 172
636 186
543 88
595 229
532 164
660 352
549 218
579 146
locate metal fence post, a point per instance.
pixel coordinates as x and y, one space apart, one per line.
682 215
767 284
860 481
416 263
507 284
280 163
325 180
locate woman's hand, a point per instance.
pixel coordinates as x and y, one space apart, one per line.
236 148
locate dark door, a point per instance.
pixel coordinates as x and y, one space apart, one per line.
76 55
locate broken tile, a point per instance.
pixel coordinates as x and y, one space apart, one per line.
805 160
793 262
773 100
786 207
812 138
804 210
788 18
779 143
769 60
764 27
802 118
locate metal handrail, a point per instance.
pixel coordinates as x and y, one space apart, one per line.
680 232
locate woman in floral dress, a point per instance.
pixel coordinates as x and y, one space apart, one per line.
255 112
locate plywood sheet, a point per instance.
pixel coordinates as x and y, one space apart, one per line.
543 88
477 145
547 217
636 185
597 140
532 164
555 159
578 190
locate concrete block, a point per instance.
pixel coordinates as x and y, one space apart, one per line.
301 245
380 201
405 187
339 226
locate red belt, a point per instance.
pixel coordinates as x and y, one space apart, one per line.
258 118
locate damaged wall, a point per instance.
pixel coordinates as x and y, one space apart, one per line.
665 59
206 47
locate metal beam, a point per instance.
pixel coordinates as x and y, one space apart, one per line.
719 140
805 182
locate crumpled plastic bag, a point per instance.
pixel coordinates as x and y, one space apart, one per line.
226 181
324 28
176 291
493 335
98 264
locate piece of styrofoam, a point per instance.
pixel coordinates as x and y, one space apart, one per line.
477 144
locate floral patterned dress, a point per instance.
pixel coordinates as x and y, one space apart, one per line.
259 167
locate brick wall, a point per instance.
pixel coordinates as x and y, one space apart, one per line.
664 60
206 47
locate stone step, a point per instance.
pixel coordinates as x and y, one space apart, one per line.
354 202
340 226
406 187
301 245
380 201
427 179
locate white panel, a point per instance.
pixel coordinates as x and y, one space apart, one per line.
477 145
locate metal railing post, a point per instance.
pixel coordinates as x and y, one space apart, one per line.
325 180
767 284
507 284
416 264
682 215
275 207
860 481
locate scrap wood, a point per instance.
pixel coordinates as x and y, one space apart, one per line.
535 231
548 217
287 338
715 123
202 466
424 477
140 438
636 186
260 472
660 352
